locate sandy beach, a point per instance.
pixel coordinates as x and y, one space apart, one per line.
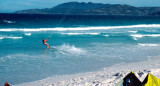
107 77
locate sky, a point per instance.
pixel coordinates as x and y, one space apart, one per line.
9 6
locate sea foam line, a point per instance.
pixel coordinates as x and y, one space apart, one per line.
27 34
11 37
149 35
80 33
148 44
83 28
132 31
70 49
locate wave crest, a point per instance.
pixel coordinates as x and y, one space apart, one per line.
148 35
83 28
80 33
27 34
153 45
71 49
9 37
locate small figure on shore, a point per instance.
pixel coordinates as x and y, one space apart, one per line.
44 42
6 84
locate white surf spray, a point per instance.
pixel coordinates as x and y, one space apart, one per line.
80 33
69 49
83 28
135 36
132 31
27 34
9 37
106 35
146 44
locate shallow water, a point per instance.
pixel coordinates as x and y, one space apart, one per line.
78 44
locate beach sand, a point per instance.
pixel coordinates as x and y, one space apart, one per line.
108 76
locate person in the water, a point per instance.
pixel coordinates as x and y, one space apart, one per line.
44 42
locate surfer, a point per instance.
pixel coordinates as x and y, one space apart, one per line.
44 42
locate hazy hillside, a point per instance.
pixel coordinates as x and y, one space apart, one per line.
76 8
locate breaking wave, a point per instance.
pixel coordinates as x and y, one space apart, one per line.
148 44
70 49
132 31
80 33
83 28
9 37
148 35
27 34
106 35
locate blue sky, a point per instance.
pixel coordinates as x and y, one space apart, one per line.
8 6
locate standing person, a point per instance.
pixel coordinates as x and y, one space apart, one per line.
44 42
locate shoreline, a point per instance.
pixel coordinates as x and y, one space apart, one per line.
109 76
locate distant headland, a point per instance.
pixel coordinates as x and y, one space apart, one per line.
77 8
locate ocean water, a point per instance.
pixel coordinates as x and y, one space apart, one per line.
78 44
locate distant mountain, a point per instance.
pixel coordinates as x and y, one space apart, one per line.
76 8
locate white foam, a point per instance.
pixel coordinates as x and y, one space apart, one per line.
80 33
134 38
137 36
106 35
132 31
27 34
148 35
14 37
9 37
148 44
83 28
1 37
9 21
153 35
70 49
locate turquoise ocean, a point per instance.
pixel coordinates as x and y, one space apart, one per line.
78 44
